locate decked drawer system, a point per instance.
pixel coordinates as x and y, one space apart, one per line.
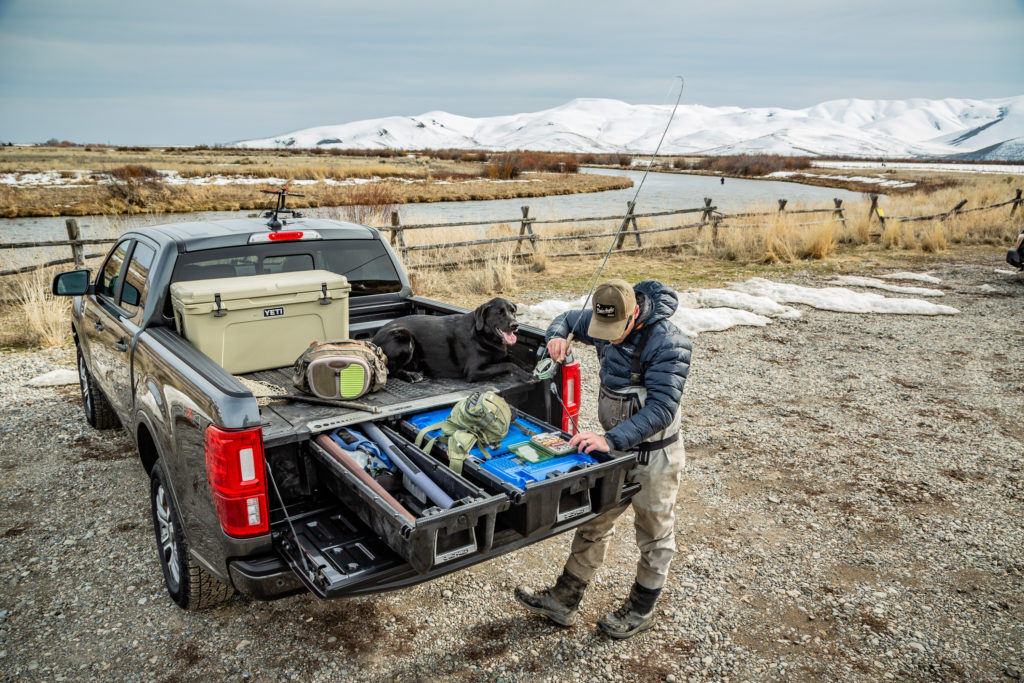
368 543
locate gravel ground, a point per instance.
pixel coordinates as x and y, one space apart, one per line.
851 510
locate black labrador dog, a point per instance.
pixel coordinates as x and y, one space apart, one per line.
471 346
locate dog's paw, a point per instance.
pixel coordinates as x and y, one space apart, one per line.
410 376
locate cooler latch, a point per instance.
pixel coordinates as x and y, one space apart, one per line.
325 300
219 313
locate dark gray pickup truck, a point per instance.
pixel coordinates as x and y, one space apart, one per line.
288 518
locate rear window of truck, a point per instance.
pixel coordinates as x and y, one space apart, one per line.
365 263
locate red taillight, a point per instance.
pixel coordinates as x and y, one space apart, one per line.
234 469
570 396
284 236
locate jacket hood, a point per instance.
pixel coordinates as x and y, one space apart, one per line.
660 302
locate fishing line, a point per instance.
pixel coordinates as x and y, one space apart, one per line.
632 204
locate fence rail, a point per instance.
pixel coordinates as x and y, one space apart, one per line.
710 216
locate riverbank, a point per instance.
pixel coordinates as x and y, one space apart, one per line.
852 509
42 181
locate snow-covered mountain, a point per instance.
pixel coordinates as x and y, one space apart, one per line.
976 129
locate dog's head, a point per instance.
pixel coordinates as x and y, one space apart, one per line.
497 316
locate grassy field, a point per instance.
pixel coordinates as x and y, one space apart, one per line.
117 181
741 247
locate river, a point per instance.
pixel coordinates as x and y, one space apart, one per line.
660 192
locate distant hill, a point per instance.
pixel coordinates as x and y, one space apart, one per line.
971 129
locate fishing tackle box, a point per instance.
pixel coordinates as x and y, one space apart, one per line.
542 495
435 538
261 322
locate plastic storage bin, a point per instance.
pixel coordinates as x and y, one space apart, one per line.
558 498
433 539
259 322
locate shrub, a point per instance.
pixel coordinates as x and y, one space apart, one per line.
504 167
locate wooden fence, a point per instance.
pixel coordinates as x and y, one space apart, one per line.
628 231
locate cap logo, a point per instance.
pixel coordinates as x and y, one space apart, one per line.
605 310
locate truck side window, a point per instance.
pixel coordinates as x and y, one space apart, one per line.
132 295
106 285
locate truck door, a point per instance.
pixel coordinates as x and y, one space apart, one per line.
111 318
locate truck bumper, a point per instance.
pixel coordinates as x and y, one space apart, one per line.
264 578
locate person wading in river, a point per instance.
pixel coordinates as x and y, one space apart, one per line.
644 362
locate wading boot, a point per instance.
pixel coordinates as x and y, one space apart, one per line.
558 603
635 615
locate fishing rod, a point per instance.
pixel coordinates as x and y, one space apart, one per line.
625 219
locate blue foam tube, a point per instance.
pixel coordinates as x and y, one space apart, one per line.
418 476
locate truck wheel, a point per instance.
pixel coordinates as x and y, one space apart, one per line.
98 411
190 586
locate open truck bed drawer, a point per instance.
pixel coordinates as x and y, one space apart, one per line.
437 536
552 502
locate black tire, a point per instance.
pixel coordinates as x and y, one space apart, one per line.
98 411
189 585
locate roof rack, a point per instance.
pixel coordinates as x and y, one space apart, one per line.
274 223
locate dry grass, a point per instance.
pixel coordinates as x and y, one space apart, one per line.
126 182
34 316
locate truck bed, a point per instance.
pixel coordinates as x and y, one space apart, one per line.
290 421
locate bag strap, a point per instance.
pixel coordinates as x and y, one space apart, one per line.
636 371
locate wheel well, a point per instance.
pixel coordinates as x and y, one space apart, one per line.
147 448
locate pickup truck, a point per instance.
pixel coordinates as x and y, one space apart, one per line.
242 498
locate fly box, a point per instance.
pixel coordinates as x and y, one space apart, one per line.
395 506
259 322
550 492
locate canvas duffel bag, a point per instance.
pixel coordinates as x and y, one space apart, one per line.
342 369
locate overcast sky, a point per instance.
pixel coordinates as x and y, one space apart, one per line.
185 72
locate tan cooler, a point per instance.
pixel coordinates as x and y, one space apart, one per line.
258 322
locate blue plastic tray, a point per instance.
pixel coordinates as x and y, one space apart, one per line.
505 464
519 472
519 431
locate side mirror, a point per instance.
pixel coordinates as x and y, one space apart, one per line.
72 283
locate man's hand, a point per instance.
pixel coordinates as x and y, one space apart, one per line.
557 348
588 442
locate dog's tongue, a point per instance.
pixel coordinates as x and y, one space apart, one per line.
510 338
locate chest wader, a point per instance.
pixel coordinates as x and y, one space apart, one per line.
615 406
659 465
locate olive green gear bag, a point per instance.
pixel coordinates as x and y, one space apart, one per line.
481 419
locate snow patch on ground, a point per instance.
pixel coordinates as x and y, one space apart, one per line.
54 378
840 299
756 301
854 281
903 275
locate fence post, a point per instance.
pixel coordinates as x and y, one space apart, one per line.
875 210
76 248
1016 202
397 234
705 215
838 212
628 220
526 227
955 210
782 205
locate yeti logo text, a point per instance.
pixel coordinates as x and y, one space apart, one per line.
273 312
605 310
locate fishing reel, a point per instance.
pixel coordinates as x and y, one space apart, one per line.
546 365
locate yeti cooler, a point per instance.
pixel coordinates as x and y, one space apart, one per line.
259 322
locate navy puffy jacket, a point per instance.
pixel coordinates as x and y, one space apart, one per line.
665 360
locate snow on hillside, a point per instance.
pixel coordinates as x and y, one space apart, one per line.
970 129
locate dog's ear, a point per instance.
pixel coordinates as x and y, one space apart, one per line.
479 316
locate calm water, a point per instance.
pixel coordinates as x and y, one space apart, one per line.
660 192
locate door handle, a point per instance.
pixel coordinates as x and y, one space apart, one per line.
98 325
121 345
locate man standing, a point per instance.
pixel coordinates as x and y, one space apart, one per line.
644 362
